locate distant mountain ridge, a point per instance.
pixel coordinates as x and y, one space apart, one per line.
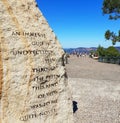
83 49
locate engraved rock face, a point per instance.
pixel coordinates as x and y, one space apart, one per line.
33 82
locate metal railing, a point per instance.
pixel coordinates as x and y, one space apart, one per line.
112 60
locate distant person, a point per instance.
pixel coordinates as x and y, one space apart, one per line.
77 54
80 55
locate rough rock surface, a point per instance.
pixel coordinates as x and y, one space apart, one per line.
33 78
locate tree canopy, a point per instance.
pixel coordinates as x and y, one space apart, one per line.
108 52
112 8
112 52
112 36
101 51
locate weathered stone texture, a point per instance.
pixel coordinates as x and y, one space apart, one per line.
33 78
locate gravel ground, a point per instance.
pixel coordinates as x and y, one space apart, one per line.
96 89
86 67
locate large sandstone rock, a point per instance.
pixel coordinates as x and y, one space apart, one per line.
33 81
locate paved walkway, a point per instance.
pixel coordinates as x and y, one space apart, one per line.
96 89
85 67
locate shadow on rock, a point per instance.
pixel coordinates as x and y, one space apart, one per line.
75 108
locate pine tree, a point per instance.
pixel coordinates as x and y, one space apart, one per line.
112 8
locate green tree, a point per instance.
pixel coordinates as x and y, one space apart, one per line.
112 52
101 51
112 8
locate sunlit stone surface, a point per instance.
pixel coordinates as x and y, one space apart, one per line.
33 81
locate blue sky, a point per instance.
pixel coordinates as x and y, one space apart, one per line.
78 23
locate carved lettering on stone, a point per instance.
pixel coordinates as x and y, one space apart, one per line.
33 82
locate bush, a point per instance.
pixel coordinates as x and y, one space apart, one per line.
112 52
109 55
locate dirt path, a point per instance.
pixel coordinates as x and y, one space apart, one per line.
96 89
